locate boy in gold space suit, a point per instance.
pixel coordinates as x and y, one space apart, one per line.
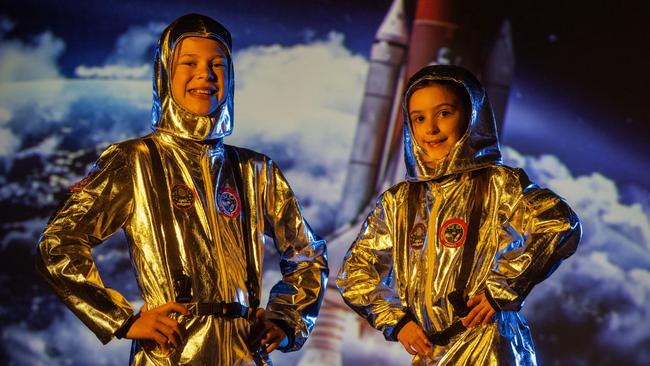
445 260
196 213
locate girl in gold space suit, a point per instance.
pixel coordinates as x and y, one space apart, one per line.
445 260
195 212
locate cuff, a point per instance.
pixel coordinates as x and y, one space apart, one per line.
124 329
408 316
492 301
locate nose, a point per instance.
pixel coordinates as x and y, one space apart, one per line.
432 127
207 73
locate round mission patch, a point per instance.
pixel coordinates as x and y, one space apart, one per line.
182 197
229 202
453 232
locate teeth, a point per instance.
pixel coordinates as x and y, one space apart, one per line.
202 91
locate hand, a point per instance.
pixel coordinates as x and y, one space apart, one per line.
265 332
412 337
156 325
481 311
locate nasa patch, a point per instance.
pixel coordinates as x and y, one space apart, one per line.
229 202
182 196
453 233
79 186
418 235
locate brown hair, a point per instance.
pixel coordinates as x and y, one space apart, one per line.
454 87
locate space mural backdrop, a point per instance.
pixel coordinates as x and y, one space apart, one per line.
76 77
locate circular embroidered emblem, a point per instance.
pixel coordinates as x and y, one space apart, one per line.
182 197
453 232
229 202
417 236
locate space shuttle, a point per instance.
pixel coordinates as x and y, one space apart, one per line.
436 32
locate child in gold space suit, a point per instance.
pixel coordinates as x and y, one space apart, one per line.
445 260
195 212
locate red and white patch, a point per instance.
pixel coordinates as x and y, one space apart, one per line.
229 202
453 233
182 197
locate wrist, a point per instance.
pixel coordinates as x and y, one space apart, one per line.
124 329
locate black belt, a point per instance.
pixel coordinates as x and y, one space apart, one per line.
442 337
230 310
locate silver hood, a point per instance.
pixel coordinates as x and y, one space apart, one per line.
166 114
477 148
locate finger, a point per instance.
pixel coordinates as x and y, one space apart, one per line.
473 301
488 317
171 336
481 315
408 348
173 307
469 319
422 348
426 345
486 314
159 338
144 308
173 324
260 313
422 337
271 347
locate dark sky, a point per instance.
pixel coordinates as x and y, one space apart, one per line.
589 59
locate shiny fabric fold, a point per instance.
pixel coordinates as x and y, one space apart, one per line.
405 261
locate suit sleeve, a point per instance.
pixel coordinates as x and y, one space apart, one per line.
97 207
294 302
366 276
540 233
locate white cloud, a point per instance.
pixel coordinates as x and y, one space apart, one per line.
20 61
131 58
605 286
305 99
133 47
113 72
66 341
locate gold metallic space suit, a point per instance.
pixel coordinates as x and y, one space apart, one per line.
175 193
414 246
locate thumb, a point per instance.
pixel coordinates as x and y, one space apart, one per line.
260 313
474 301
144 308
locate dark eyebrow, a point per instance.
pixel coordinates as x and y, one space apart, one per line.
436 107
194 55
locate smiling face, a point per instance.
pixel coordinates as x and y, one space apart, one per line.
438 120
199 73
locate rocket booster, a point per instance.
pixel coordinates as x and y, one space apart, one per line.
387 56
498 73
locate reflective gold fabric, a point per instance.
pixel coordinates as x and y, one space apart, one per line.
408 254
189 219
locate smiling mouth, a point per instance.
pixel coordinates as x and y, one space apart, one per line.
200 92
435 143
